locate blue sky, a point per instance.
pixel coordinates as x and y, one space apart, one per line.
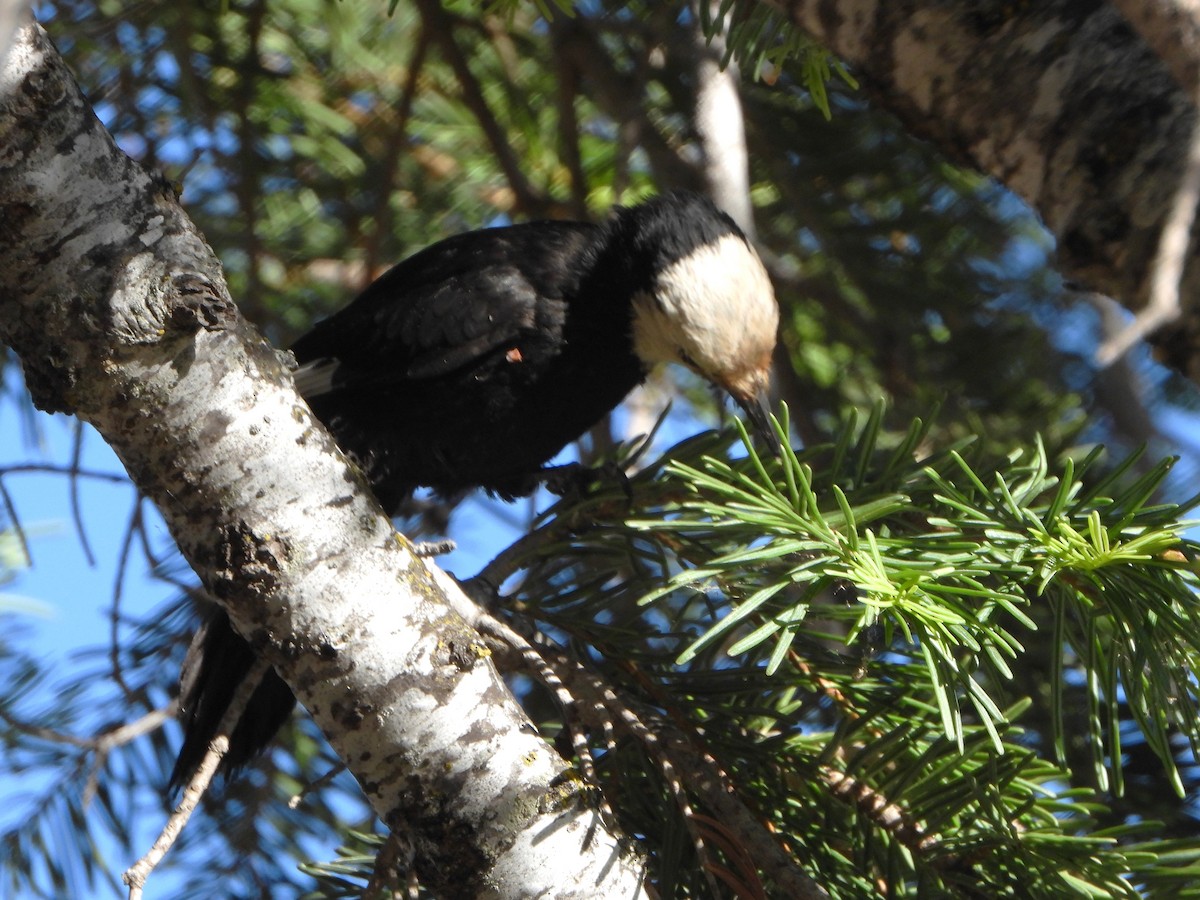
60 604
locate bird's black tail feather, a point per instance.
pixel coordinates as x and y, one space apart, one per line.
217 661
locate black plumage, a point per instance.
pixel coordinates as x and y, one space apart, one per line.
473 362
451 388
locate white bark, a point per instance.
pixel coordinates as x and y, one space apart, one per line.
721 130
120 315
11 12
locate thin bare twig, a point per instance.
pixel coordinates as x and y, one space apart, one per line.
887 815
118 737
10 511
51 469
105 741
101 744
537 663
45 734
73 493
433 549
114 618
316 785
135 876
131 731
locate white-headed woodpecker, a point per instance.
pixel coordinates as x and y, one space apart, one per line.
473 362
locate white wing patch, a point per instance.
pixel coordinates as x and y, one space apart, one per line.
315 378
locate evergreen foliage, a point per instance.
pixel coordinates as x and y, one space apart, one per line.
840 629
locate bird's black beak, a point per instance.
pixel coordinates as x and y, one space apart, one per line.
758 410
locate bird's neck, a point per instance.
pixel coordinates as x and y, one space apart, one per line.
622 262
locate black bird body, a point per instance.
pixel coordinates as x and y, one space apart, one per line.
451 388
473 362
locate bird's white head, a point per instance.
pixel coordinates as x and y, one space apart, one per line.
714 311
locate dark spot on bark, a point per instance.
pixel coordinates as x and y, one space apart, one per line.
248 563
462 654
351 715
1095 161
988 19
49 382
1115 146
1113 225
216 423
291 649
199 305
365 756
454 852
449 845
42 89
14 219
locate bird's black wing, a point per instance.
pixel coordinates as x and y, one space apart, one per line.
447 307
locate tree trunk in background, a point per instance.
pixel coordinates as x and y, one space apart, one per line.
1063 101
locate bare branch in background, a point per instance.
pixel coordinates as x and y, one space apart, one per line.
1120 385
568 125
76 510
721 128
621 97
10 510
101 744
105 743
1174 242
394 147
133 529
440 25
1172 29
